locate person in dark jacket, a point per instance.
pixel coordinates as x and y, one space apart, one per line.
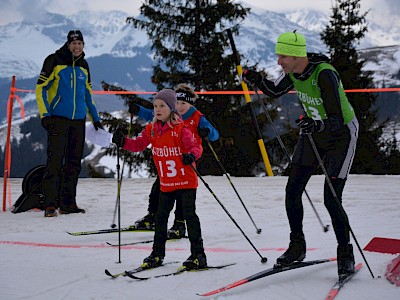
332 124
64 96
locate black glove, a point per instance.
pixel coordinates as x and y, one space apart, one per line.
97 125
251 77
133 108
46 122
308 125
203 132
188 158
118 137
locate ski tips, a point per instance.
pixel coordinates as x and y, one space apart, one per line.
129 274
333 259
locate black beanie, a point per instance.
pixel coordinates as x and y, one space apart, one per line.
74 35
185 96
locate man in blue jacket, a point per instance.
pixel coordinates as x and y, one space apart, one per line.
64 96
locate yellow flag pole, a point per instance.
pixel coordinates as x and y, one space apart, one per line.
251 108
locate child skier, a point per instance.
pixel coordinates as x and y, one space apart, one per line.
175 151
201 128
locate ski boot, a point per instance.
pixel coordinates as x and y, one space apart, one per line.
195 261
152 261
145 223
177 231
345 260
295 252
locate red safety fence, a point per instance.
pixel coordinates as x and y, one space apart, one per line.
374 90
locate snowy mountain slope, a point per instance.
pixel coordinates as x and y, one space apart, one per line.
384 62
24 45
120 54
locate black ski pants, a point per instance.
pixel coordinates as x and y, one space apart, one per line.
166 203
65 142
337 150
154 199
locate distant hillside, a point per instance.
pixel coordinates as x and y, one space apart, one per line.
121 55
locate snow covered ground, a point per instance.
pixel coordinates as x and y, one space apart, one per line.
39 260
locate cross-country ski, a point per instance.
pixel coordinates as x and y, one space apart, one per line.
141 242
180 270
109 230
341 282
136 270
268 272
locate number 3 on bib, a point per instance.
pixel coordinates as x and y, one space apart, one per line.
168 168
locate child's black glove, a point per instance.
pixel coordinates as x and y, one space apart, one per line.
133 108
118 137
203 132
188 158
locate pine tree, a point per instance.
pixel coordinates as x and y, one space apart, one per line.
346 28
190 45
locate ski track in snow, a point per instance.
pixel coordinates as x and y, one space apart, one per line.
41 261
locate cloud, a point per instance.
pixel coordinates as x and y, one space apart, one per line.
32 12
393 7
9 12
18 10
384 12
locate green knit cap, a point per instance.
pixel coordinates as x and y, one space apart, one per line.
291 44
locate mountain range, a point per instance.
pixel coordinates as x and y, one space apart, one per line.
120 54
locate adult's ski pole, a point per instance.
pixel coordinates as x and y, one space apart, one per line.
325 228
335 196
263 259
258 230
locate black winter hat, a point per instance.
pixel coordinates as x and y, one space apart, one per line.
185 96
74 35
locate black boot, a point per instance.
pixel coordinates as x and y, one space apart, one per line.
196 261
345 260
71 210
50 212
146 223
178 230
152 261
295 252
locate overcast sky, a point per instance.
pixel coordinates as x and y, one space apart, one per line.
16 10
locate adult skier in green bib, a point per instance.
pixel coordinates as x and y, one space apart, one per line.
330 119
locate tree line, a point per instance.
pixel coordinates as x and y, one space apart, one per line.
190 44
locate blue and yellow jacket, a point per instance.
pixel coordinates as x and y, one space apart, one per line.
64 87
